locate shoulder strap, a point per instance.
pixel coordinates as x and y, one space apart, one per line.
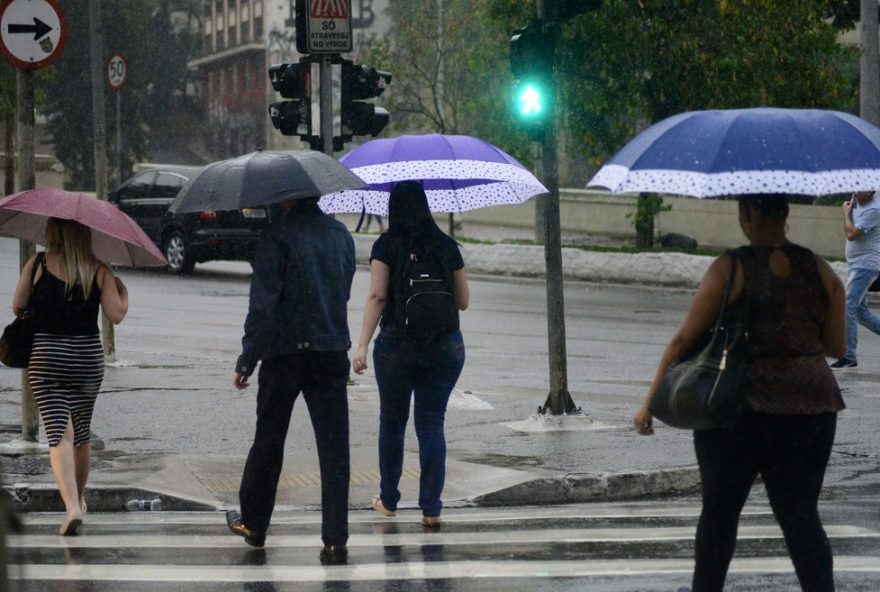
40 261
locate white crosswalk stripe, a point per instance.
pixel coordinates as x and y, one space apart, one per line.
527 546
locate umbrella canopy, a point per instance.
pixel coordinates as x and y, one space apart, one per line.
261 178
743 151
458 173
116 238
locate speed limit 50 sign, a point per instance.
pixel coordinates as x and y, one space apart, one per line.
117 71
328 26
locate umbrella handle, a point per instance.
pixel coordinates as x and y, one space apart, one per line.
361 220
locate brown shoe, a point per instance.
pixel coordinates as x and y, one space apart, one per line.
334 555
254 539
380 507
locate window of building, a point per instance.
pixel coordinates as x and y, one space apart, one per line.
245 23
221 41
218 6
206 9
208 44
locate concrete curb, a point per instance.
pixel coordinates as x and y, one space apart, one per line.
593 487
44 497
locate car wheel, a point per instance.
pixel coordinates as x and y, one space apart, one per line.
177 252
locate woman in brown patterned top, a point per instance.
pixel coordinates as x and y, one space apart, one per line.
795 319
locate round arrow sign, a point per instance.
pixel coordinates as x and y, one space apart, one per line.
32 32
117 71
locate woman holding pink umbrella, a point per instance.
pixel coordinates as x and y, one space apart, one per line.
66 366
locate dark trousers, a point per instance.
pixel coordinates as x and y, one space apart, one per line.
790 452
321 377
427 373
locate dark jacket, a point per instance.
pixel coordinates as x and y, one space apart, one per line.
303 270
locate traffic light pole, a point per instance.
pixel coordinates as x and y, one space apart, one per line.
326 102
559 400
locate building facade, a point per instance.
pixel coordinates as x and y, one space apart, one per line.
240 39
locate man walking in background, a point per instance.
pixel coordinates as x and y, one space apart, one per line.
861 225
297 327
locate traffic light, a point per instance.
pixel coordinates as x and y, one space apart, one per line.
534 92
292 81
360 82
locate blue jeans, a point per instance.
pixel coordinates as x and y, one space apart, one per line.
426 371
857 283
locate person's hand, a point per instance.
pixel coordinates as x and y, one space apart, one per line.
359 361
239 381
644 421
847 206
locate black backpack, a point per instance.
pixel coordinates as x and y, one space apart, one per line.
424 302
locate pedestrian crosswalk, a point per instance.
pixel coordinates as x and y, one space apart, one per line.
626 546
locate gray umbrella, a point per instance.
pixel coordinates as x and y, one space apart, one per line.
264 177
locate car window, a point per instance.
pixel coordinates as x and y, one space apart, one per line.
168 184
139 187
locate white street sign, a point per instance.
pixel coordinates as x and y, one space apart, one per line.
32 32
328 26
117 71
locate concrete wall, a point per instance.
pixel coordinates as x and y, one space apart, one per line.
47 170
712 222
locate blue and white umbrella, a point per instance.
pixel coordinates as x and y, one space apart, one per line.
745 151
458 172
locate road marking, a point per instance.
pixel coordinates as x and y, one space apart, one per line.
360 517
412 570
511 537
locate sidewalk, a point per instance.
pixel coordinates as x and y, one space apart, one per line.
492 461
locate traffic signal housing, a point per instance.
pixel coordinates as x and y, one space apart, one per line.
534 90
360 82
292 81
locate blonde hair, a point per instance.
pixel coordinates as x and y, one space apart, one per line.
72 242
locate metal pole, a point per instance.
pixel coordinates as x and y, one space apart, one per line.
558 400
30 423
119 137
869 86
326 99
99 124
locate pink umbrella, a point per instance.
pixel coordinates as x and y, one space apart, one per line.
116 238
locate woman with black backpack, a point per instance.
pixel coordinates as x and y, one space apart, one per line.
417 287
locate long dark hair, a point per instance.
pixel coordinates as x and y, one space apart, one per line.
410 223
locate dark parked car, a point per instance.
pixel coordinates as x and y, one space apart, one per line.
187 239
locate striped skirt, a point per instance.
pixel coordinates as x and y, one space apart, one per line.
65 373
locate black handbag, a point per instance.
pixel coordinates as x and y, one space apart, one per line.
18 336
703 389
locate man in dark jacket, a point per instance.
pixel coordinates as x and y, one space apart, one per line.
297 327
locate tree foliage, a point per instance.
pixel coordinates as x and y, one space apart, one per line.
634 63
449 60
153 99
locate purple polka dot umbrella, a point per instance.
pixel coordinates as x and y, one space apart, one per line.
459 173
747 151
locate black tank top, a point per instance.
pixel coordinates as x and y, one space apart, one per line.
61 313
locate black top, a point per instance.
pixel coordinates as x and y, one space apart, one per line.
447 249
61 313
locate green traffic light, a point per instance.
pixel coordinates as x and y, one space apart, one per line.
531 101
